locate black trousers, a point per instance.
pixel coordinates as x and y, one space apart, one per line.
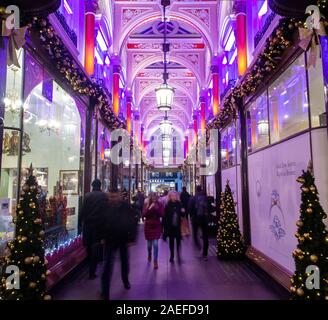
93 252
202 223
174 236
110 252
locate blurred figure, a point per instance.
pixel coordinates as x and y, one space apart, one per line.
152 213
163 199
184 198
125 194
140 200
198 208
119 230
172 222
93 210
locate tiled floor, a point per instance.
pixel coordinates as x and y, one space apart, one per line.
191 279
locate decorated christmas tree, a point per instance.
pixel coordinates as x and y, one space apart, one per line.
26 250
229 239
310 280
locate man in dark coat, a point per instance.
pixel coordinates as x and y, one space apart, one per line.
198 208
92 213
184 198
119 231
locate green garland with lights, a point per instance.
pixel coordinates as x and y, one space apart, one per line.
229 239
27 249
73 74
282 38
312 246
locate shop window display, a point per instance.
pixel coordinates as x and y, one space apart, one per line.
103 167
11 151
229 142
288 102
316 93
258 123
54 121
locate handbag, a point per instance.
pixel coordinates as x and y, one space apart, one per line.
185 231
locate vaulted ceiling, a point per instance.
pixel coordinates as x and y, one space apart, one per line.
192 30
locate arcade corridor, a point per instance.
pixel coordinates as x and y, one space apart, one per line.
116 111
191 279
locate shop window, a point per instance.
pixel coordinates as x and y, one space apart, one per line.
13 98
11 151
258 123
8 186
52 126
316 92
288 102
229 147
103 158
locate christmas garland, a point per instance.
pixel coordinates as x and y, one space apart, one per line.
72 73
268 60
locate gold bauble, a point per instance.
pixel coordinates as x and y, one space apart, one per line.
36 259
300 180
28 260
292 289
24 239
21 273
309 210
25 188
32 285
299 223
301 239
32 205
314 258
305 189
43 276
300 292
41 233
47 297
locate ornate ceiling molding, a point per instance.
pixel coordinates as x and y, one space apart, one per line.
201 14
128 14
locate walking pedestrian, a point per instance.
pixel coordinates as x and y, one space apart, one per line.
152 213
198 207
93 210
172 222
119 231
184 198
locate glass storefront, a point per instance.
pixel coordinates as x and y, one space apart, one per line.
286 106
52 142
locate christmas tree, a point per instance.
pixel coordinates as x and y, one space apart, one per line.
26 250
312 249
229 239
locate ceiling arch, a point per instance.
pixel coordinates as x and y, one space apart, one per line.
147 17
153 128
176 107
154 85
153 58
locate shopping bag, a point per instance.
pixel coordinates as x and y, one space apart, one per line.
185 231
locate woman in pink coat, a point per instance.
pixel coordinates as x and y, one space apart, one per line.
152 213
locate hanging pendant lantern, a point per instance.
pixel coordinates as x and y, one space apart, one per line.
166 126
164 97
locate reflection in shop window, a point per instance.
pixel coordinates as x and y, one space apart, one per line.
258 124
8 186
288 102
52 124
229 142
316 92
